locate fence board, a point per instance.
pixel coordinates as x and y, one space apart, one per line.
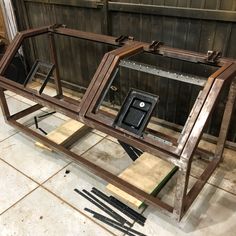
212 26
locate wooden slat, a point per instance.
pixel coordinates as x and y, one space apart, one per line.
65 134
75 3
148 173
207 14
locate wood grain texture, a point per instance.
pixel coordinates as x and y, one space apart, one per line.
147 173
71 129
2 25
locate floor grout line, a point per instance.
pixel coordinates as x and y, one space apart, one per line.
48 190
234 194
81 212
54 173
17 132
19 200
41 184
20 171
92 146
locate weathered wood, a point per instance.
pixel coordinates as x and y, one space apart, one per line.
3 32
198 35
75 3
206 14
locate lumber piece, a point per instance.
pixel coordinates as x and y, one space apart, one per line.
66 134
148 173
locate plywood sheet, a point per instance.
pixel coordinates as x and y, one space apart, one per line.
148 173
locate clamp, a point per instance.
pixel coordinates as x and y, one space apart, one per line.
213 56
55 26
123 38
155 45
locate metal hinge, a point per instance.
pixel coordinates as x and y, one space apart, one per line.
155 45
213 56
123 38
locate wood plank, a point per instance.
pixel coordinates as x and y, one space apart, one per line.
2 25
149 173
66 134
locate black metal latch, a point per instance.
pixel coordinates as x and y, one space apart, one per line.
123 38
136 111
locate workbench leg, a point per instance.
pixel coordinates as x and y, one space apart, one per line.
4 106
181 190
229 108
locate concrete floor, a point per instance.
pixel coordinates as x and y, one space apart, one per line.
37 197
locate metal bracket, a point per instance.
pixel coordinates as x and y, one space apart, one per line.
133 152
49 66
42 116
155 45
123 38
113 90
55 26
213 56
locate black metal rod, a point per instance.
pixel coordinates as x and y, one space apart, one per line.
36 122
119 217
121 204
113 223
43 131
104 208
32 72
46 79
122 208
140 218
47 114
129 150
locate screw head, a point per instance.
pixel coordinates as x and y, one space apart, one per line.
142 104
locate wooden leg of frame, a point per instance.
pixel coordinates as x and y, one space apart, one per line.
226 121
4 105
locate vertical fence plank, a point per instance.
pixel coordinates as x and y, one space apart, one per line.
196 35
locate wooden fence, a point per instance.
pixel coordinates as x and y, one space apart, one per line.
189 24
